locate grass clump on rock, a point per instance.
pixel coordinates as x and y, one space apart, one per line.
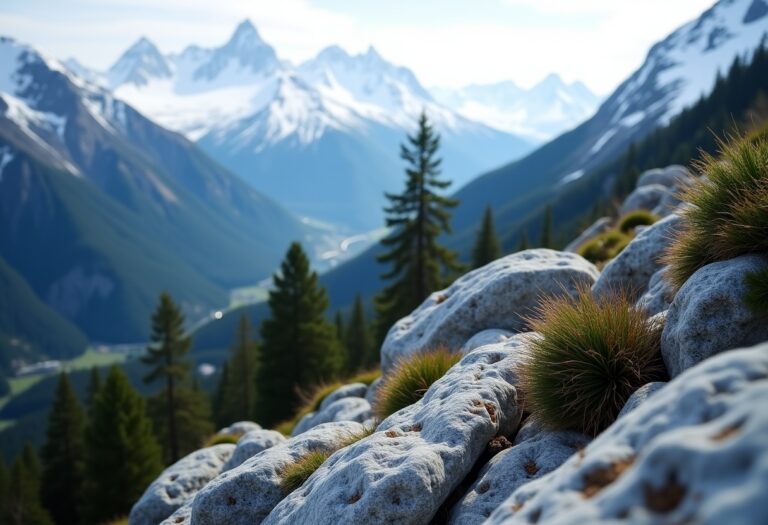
592 354
411 378
729 216
633 219
295 474
220 439
604 247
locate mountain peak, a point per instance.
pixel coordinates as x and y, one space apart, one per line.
245 36
142 46
138 64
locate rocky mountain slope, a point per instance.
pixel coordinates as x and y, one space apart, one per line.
691 449
542 112
102 208
321 137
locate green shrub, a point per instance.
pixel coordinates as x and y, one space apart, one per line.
604 247
729 216
757 291
294 475
591 356
410 380
633 219
219 439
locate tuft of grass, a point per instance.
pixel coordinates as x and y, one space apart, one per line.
604 247
294 475
220 439
411 378
591 356
312 401
756 297
633 219
729 216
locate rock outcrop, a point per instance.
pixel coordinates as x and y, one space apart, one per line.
695 452
344 409
644 198
497 295
708 314
251 444
601 225
405 470
179 483
246 494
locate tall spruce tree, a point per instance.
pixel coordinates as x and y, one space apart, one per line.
63 456
94 384
299 346
524 244
4 487
360 351
418 216
487 248
546 229
167 357
238 388
22 505
122 454
220 397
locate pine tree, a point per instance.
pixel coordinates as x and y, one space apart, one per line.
300 348
5 485
523 241
94 384
238 387
22 504
487 248
418 216
546 229
122 455
358 341
167 357
63 456
221 396
342 341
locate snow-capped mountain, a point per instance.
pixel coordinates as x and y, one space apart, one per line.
541 112
322 137
675 74
101 208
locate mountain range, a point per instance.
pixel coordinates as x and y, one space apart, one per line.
320 137
101 208
540 113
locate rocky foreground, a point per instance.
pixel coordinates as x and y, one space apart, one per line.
693 450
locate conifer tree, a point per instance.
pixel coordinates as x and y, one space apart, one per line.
238 389
546 229
22 505
300 348
220 397
418 216
523 241
122 455
4 489
341 338
63 456
358 341
167 355
487 248
94 384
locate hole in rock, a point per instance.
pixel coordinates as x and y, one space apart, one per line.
599 478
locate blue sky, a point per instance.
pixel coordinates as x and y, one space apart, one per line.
445 42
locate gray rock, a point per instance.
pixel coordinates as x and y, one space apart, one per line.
240 428
350 390
644 198
668 204
512 468
658 296
486 337
182 516
640 396
344 409
674 176
601 225
373 391
497 295
693 453
405 470
178 484
251 444
633 267
246 494
529 430
708 314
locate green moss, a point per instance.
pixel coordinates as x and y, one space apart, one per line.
219 439
410 380
604 247
633 219
591 356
